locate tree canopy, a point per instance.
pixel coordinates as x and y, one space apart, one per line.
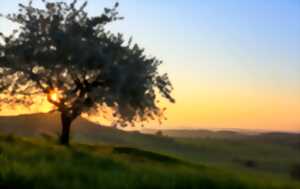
62 52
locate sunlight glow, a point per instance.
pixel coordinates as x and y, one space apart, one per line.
54 96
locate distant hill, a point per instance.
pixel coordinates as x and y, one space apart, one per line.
196 133
230 134
49 123
82 130
85 131
37 124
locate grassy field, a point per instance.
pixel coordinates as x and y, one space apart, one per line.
36 163
265 154
249 154
207 159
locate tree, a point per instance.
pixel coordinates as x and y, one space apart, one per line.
62 52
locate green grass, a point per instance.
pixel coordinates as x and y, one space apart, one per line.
270 157
33 163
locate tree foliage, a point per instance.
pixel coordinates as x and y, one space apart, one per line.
61 49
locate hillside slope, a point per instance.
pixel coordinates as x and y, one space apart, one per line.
82 131
259 154
34 163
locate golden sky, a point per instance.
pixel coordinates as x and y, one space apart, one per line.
211 110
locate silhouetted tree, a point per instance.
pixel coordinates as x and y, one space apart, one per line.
61 52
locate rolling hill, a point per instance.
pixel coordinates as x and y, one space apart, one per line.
38 125
267 153
35 163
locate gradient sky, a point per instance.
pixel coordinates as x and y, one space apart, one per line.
233 63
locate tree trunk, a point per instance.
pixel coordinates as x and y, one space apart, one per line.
66 125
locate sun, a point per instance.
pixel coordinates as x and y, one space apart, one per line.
54 95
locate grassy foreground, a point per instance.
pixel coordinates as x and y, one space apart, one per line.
33 163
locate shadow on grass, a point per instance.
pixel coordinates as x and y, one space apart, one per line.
145 154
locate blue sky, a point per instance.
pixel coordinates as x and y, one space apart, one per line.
245 48
258 40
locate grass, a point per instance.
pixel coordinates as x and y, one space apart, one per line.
35 163
269 157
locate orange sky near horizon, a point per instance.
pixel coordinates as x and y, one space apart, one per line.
240 110
204 110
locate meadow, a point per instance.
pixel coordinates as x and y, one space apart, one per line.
104 157
40 163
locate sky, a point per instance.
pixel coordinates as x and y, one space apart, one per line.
233 63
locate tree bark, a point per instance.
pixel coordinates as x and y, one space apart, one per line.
66 125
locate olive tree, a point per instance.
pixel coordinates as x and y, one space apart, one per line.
61 52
